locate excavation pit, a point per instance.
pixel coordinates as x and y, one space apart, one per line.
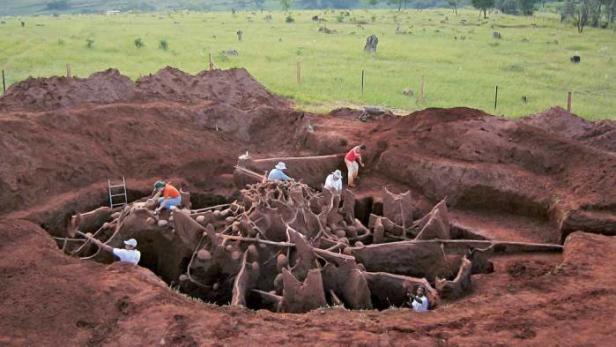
286 247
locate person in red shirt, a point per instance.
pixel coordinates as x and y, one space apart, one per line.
353 160
170 195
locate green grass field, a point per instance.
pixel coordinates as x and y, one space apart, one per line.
531 60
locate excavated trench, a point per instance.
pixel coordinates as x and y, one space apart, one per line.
289 248
293 247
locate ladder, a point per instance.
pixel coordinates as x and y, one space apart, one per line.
117 193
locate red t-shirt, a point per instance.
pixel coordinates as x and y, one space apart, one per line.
170 192
352 155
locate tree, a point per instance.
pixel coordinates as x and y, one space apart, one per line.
454 4
527 7
286 4
581 15
58 5
507 6
594 12
568 11
483 5
611 11
395 2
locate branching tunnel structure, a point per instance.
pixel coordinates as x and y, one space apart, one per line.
289 247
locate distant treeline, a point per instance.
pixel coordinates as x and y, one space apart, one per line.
596 13
152 5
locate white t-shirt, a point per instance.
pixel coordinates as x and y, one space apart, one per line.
420 307
127 255
332 184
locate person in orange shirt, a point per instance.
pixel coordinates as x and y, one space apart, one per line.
170 196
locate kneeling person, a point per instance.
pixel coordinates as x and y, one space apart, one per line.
333 182
419 302
170 196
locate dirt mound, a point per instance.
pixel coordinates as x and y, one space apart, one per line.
219 115
234 87
40 94
599 134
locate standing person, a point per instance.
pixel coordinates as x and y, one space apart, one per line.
352 158
129 254
419 302
333 182
277 174
170 196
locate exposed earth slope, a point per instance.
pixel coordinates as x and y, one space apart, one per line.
542 178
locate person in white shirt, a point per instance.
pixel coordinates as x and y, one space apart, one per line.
419 302
129 254
333 182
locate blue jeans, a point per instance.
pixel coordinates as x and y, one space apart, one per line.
168 203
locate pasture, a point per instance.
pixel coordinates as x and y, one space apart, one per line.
456 56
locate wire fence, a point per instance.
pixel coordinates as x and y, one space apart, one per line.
497 95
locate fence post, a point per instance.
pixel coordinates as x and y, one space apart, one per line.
495 98
568 101
362 82
420 96
299 74
68 70
3 83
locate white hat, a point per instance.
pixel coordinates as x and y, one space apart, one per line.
281 166
337 174
131 242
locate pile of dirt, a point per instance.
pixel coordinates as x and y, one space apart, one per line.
41 94
600 134
49 151
234 87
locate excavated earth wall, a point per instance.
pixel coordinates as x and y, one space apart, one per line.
542 178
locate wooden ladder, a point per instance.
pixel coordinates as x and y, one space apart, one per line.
117 193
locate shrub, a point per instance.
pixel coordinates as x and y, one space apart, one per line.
58 5
139 43
289 19
163 45
89 43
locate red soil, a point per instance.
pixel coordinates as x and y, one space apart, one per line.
535 179
49 298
